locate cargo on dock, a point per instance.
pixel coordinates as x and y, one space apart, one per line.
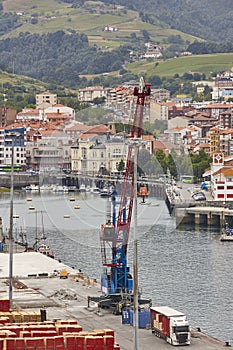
66 299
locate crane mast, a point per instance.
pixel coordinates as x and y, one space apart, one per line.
115 234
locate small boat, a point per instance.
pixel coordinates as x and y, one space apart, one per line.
32 188
226 238
45 250
82 188
95 190
227 234
45 188
60 188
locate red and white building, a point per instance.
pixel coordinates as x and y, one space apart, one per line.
222 177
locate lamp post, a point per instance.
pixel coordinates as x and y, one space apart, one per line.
12 135
135 254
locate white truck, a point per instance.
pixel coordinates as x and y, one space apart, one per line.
170 324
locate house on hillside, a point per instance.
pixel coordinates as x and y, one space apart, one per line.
110 28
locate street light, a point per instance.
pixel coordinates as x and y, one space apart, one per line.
12 135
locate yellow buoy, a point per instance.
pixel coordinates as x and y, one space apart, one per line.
77 207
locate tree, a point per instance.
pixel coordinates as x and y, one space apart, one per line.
121 166
161 158
171 164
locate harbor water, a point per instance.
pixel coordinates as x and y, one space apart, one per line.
189 270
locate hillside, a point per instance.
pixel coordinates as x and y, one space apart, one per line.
63 42
207 19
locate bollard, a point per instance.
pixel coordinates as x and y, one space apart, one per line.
43 315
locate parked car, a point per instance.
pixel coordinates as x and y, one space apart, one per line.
199 196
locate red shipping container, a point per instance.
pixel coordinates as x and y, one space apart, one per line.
70 343
9 344
39 343
73 328
49 343
60 329
89 343
43 334
80 341
24 334
4 305
99 343
15 329
99 332
59 343
109 332
19 344
29 343
108 342
4 320
1 344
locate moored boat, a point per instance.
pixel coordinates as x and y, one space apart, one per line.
226 238
82 188
45 249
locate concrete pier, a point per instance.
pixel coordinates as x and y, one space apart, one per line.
207 216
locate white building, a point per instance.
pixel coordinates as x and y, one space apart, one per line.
92 154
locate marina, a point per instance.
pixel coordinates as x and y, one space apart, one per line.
164 250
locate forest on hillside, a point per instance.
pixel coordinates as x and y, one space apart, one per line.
57 57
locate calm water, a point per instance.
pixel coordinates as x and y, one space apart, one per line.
189 270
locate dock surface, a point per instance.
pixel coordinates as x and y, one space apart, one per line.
40 287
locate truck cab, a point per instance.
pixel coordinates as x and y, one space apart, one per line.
170 325
179 331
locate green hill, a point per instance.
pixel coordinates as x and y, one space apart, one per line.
63 42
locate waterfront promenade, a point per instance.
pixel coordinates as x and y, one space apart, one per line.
67 299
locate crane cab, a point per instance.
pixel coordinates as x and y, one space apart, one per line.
143 190
107 232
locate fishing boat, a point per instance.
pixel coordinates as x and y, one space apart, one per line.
40 240
45 250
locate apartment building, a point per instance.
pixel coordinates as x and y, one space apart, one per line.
45 99
16 138
88 94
